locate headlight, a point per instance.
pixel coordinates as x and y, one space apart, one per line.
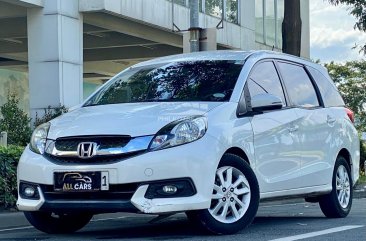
180 132
38 139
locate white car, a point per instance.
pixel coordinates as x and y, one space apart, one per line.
211 134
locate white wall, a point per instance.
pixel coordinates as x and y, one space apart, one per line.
55 55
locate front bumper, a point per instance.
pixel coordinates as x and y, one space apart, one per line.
197 161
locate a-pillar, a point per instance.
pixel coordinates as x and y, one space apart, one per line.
55 55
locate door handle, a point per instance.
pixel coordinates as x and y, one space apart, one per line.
330 120
293 128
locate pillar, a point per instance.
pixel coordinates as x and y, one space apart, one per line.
55 55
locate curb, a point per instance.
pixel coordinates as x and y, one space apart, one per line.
360 191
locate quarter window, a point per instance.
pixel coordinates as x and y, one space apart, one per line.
264 79
298 85
329 92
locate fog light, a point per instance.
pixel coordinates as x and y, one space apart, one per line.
29 191
170 189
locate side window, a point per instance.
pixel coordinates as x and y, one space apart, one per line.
264 79
328 90
298 85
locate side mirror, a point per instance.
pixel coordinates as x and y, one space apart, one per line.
266 101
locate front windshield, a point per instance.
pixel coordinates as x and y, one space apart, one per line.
178 81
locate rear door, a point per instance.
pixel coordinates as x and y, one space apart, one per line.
275 138
314 126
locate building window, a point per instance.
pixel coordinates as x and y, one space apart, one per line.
214 8
269 16
181 2
232 10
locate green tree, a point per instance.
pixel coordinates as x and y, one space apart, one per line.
49 114
357 9
350 79
15 122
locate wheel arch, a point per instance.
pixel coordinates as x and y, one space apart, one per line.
238 152
347 155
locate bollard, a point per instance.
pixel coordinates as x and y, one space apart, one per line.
4 139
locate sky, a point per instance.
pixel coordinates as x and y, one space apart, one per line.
332 35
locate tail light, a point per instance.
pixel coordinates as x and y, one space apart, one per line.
350 115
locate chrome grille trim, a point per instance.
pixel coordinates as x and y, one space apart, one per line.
135 144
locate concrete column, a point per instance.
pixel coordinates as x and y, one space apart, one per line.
55 55
305 28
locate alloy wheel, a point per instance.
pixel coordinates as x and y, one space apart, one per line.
343 186
231 195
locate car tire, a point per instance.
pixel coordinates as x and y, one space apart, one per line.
221 217
58 223
338 203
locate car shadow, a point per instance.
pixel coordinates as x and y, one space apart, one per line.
176 229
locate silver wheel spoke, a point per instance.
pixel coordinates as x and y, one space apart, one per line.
234 210
241 204
229 177
340 196
338 180
217 196
221 177
218 189
241 191
224 211
218 207
238 181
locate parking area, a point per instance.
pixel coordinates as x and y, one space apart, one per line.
293 220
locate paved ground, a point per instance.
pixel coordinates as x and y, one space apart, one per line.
274 221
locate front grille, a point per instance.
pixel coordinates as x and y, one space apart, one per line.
93 160
104 142
70 144
115 192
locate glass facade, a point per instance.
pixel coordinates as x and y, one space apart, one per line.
180 2
232 10
14 82
214 8
17 83
269 16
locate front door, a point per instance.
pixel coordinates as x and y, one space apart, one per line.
276 141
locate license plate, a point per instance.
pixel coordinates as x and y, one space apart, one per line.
81 181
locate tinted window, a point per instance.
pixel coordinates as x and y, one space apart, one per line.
264 79
179 81
298 85
329 92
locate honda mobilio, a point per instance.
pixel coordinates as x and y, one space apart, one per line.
210 134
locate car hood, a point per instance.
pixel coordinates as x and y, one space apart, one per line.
133 119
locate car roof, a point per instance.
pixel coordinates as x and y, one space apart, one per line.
197 56
229 55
